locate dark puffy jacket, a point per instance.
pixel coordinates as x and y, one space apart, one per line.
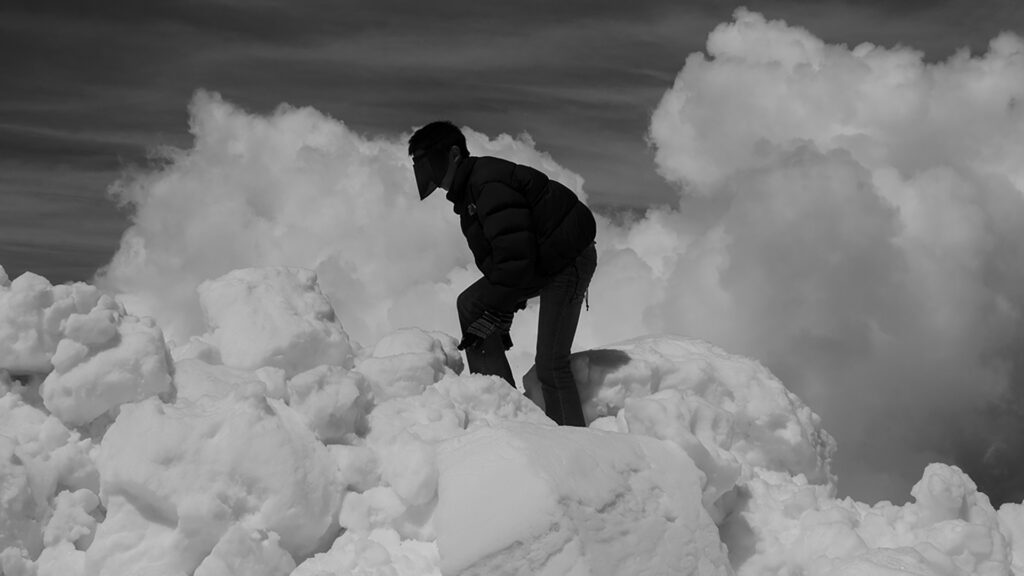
522 227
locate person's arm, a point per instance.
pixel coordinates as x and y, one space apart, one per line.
505 217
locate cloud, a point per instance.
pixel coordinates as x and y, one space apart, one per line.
869 237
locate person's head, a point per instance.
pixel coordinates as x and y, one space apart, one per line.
436 149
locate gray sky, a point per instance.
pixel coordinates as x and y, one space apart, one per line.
88 87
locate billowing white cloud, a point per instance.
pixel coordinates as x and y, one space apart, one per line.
866 235
853 217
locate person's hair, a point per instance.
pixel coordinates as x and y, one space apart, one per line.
437 133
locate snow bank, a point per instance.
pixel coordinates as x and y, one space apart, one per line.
31 313
729 413
529 499
307 455
405 362
176 479
46 474
273 317
96 356
790 526
105 359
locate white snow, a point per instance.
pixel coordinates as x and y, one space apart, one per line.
185 474
273 317
106 358
31 313
571 501
789 526
729 413
272 446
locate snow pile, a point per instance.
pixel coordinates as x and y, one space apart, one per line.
789 526
97 356
312 456
178 479
48 485
105 359
571 501
729 413
31 313
272 317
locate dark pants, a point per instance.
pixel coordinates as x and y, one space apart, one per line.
561 298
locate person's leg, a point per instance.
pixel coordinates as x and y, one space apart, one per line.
560 304
488 358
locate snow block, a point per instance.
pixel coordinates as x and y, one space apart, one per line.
380 553
406 361
273 317
739 406
195 379
521 498
175 479
31 313
107 358
792 527
333 401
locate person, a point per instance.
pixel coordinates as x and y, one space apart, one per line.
530 236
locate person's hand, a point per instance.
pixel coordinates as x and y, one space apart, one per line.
483 327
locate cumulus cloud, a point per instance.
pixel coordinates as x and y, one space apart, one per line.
866 235
853 217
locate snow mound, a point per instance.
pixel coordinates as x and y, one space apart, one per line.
380 553
728 412
273 317
789 526
32 312
42 464
195 379
282 434
729 403
405 362
332 401
175 479
105 359
528 499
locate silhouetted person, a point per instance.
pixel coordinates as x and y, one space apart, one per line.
530 236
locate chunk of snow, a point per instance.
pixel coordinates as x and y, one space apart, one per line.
789 526
527 499
333 401
21 515
195 379
175 478
37 456
273 317
31 314
244 552
1011 523
405 362
119 359
380 553
72 520
746 410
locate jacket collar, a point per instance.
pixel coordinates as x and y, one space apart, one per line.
457 195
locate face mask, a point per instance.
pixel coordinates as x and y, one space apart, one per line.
430 166
425 181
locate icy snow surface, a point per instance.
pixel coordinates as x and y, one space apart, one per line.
273 445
